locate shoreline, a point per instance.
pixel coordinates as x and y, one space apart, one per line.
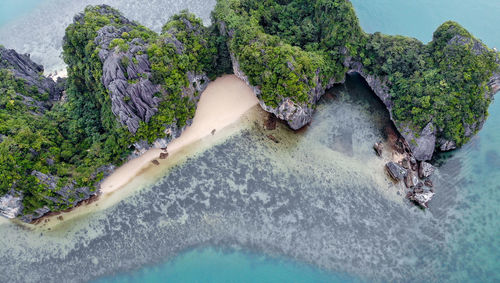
223 103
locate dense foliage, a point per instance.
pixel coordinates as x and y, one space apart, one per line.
169 67
32 138
443 82
283 46
72 139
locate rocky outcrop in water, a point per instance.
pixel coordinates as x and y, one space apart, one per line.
10 205
422 143
396 171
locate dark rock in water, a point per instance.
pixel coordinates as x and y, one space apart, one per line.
445 145
155 162
270 123
425 170
273 138
378 147
428 183
405 163
128 76
396 171
411 180
421 196
163 155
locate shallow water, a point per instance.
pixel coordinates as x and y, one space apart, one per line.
317 204
51 17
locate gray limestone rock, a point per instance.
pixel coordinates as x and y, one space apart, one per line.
423 144
421 196
396 171
23 68
10 205
411 179
425 170
297 115
445 145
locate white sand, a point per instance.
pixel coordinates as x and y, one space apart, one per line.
223 102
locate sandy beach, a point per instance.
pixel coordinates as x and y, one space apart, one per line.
223 102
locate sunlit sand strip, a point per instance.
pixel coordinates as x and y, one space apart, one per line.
227 105
223 102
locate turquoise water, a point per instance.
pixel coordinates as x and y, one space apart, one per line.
421 18
210 265
311 209
12 9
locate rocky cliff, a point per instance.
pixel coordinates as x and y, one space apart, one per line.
128 76
425 142
24 68
297 115
37 94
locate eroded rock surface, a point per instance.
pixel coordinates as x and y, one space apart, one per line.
396 171
23 68
297 115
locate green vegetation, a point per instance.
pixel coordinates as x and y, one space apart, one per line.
195 53
285 47
443 82
282 45
71 140
34 140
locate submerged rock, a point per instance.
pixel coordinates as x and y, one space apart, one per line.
396 171
411 179
425 170
378 147
421 197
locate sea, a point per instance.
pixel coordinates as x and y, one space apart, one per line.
315 207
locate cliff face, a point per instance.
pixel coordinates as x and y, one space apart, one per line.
297 115
31 86
128 77
152 99
425 142
23 68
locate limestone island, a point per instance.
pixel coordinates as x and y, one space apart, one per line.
129 89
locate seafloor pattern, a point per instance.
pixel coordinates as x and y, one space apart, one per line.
319 196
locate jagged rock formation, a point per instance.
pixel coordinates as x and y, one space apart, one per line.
423 144
10 205
297 115
396 171
126 75
23 68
